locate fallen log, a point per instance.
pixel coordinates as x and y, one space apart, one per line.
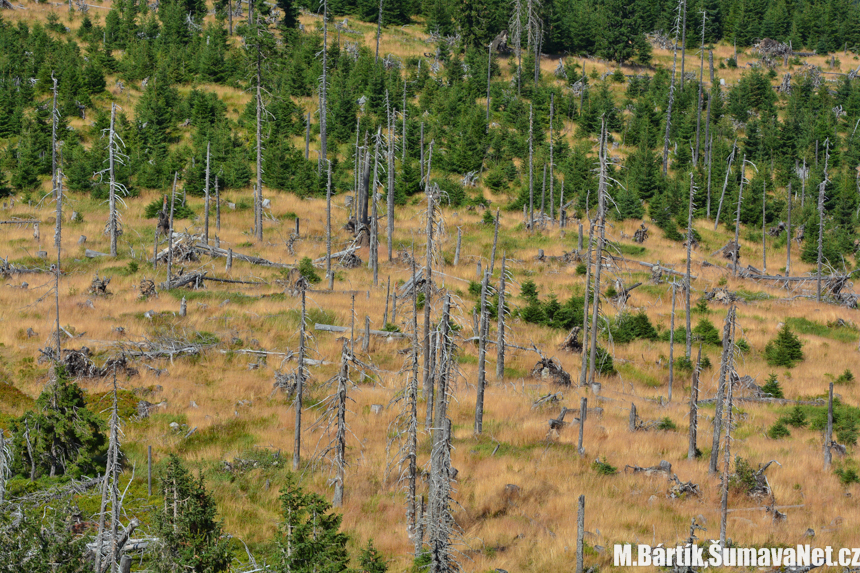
94 254
779 401
382 333
19 221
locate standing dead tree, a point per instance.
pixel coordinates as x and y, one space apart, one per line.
699 99
5 465
730 160
390 188
328 272
677 30
737 250
300 381
515 25
828 431
115 155
687 285
672 344
106 539
692 450
721 388
586 332
788 200
601 223
821 188
500 344
727 446
483 327
323 93
531 170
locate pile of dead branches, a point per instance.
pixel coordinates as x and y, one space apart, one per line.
753 483
660 40
730 251
167 345
776 231
772 49
812 73
663 467
641 234
147 288
720 295
550 369
680 489
79 365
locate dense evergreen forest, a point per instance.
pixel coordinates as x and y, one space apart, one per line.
742 143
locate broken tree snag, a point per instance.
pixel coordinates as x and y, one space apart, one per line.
738 216
580 534
828 433
672 345
457 249
482 355
641 234
550 369
583 412
571 342
623 293
721 389
632 420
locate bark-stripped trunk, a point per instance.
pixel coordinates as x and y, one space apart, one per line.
328 271
428 290
482 356
340 437
721 388
726 183
694 408
206 200
300 387
788 236
586 332
390 191
821 213
601 222
495 240
687 287
531 170
551 179
170 232
828 433
500 342
672 345
412 519
112 222
728 457
258 190
737 250
580 534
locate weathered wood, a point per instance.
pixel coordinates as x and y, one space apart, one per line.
672 344
580 535
457 248
737 251
828 433
500 355
482 356
631 420
382 333
694 409
583 412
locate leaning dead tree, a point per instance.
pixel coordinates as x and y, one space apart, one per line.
730 160
737 250
821 188
483 327
500 344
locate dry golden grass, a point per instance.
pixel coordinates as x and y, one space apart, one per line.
533 532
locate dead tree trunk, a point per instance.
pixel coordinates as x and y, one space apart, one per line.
828 433
764 228
583 410
374 219
206 200
500 344
378 31
683 42
55 116
428 291
323 94
170 232
580 534
112 222
586 332
421 152
300 386
601 222
489 74
217 207
687 286
390 190
721 388
412 519
699 98
737 250
531 170
482 356
328 272
457 248
788 236
726 183
543 197
672 344
495 241
340 436
258 191
671 99
728 446
551 171
821 212
694 408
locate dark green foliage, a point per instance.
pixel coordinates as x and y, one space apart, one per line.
847 475
629 327
772 387
180 211
307 270
488 218
797 418
778 430
528 291
701 307
190 539
42 541
667 424
581 269
371 560
743 345
67 437
785 349
310 539
603 467
603 362
846 377
743 480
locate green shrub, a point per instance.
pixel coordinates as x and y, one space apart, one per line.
528 290
306 268
707 333
785 349
581 269
629 327
778 430
604 468
847 475
667 424
772 387
797 417
180 211
743 480
701 307
845 378
743 345
488 218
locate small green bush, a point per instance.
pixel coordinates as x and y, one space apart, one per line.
797 418
667 424
778 430
604 468
847 476
772 387
306 268
581 269
743 480
180 211
488 218
785 349
846 377
629 327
